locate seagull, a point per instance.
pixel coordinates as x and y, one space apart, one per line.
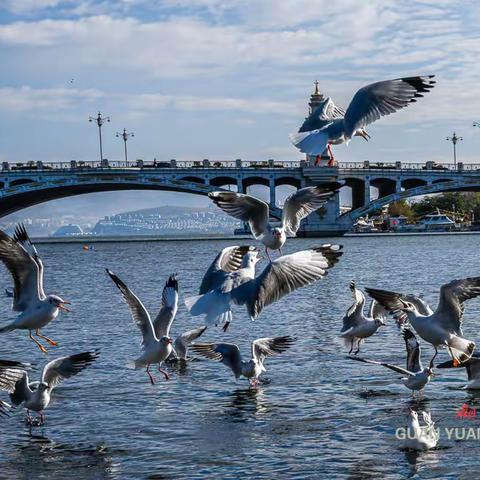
35 396
330 125
155 349
444 326
25 265
416 375
472 365
356 326
183 342
420 438
231 279
229 354
256 212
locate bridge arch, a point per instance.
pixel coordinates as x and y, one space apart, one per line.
221 181
21 181
250 181
290 181
192 179
413 183
385 186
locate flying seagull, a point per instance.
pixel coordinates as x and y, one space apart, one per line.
35 396
330 125
356 326
231 279
155 349
229 354
472 366
25 265
256 212
416 375
442 328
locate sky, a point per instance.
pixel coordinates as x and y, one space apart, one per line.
226 79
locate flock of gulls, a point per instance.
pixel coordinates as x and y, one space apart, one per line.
231 279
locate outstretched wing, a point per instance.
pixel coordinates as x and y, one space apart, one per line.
183 341
243 207
284 275
383 98
354 314
387 365
265 347
322 115
58 370
414 361
139 313
24 270
227 353
227 261
168 309
303 202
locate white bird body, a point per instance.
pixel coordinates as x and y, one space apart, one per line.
37 316
156 351
418 437
274 239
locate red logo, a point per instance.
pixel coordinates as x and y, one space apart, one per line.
466 412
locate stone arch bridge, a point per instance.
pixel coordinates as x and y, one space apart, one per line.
24 185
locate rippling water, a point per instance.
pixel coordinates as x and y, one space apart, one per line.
318 415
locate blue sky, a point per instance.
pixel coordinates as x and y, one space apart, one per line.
223 79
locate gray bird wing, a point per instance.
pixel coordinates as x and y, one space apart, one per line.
183 341
354 315
139 313
472 365
227 261
414 352
9 376
21 391
244 207
322 115
452 297
58 370
284 275
303 202
227 353
383 98
24 270
377 310
265 347
387 365
168 309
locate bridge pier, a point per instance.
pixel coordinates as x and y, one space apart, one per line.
273 199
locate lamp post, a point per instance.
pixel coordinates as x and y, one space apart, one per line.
454 139
125 136
99 120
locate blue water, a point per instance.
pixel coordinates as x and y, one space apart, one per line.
319 415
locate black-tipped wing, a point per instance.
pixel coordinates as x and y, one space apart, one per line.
58 370
284 275
383 98
265 347
227 353
243 207
227 261
387 365
414 361
168 309
303 202
139 313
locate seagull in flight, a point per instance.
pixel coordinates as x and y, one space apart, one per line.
356 326
329 125
231 279
442 328
416 375
472 366
156 349
35 396
25 265
256 212
229 354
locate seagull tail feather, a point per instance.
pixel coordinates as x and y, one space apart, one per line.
461 348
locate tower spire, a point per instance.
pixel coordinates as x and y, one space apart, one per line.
316 98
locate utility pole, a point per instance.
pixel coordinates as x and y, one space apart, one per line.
454 139
125 136
99 120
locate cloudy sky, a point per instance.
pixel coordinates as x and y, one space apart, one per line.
223 79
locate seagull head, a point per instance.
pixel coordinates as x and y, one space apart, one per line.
277 232
58 302
407 306
166 340
251 259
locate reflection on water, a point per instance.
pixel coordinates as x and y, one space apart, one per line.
318 414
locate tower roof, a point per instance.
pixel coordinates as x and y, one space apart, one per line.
316 98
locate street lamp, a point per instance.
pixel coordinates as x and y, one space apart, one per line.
454 139
99 120
125 136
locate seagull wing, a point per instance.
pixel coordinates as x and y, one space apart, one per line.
383 98
414 361
168 310
183 341
377 310
387 365
303 202
452 297
265 347
227 353
322 115
284 275
139 313
227 261
243 207
9 376
24 270
58 370
472 365
354 314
